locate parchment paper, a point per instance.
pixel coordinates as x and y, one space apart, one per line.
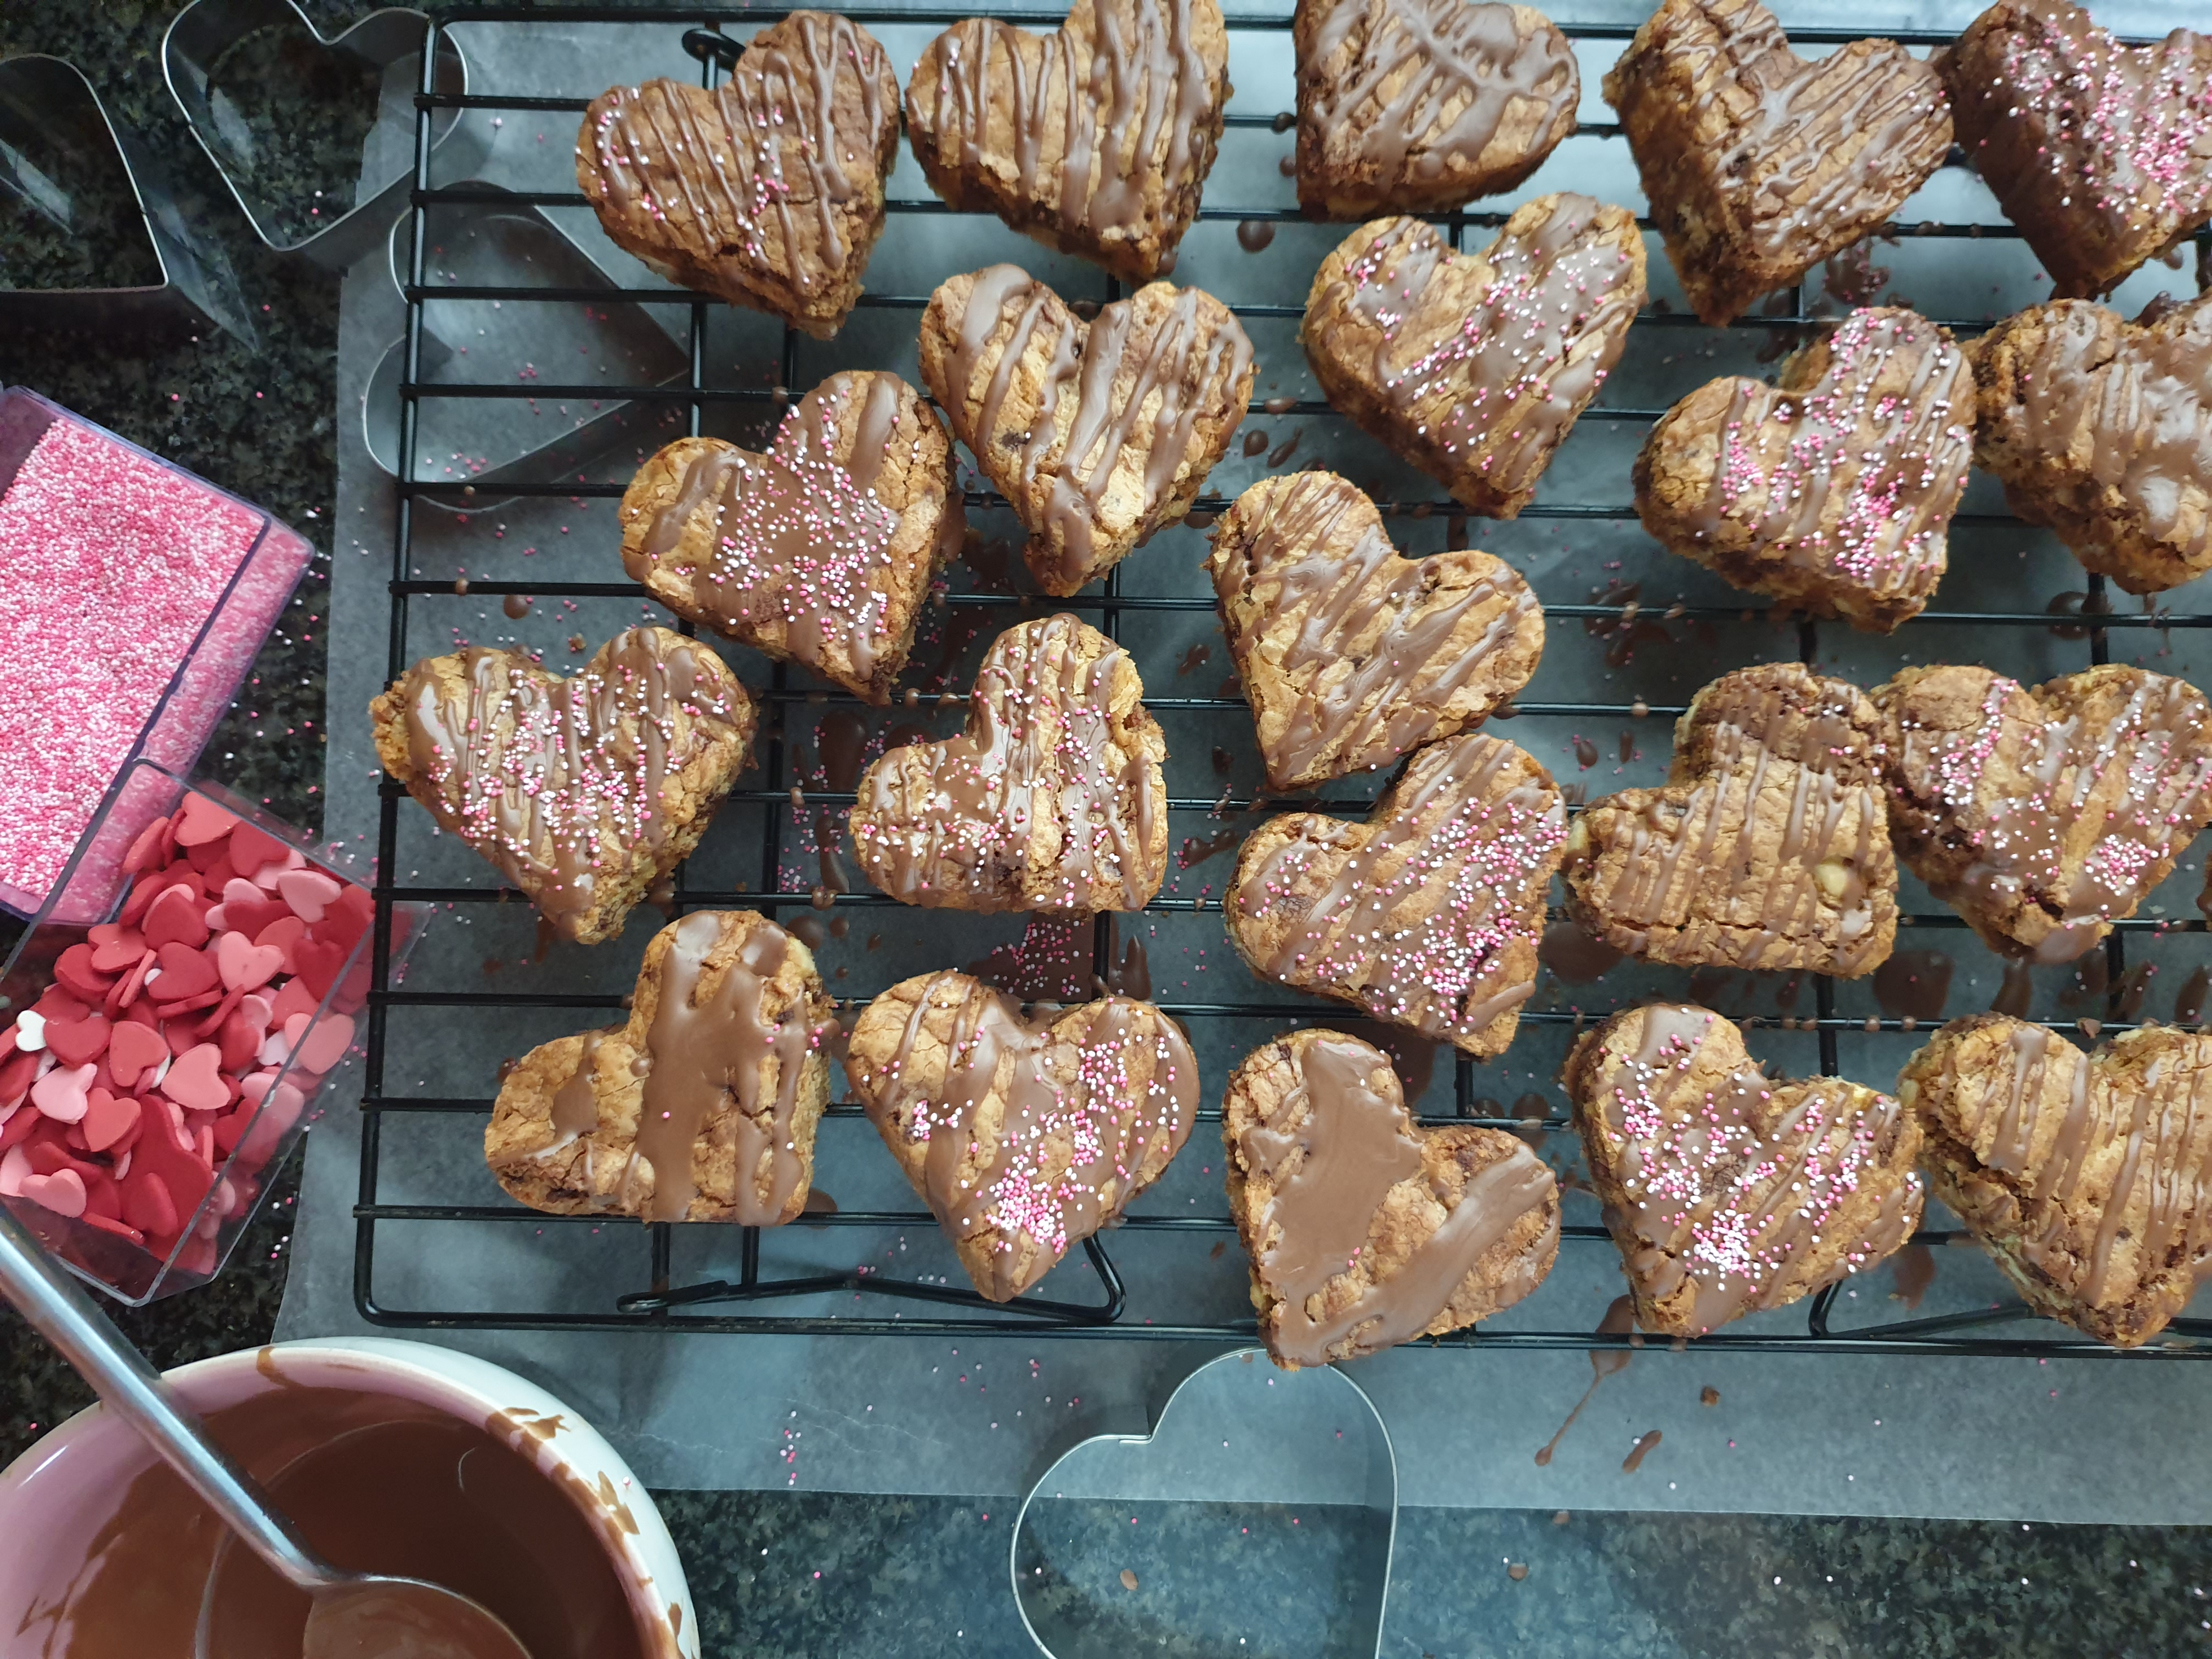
2077 1441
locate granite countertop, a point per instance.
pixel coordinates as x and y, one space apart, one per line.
794 1572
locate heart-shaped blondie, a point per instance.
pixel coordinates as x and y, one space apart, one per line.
1475 367
1096 139
2043 817
1759 163
2089 1177
583 792
2101 429
2100 153
1728 1193
1420 108
1767 847
1350 655
820 551
700 1107
1098 434
1426 915
767 191
1832 491
1052 800
1024 1139
1365 1230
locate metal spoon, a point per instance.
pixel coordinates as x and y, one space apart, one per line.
353 1614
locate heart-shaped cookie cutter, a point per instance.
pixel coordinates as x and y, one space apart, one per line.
1235 1430
490 244
205 29
52 121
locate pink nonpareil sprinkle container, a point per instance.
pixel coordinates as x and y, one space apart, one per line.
134 597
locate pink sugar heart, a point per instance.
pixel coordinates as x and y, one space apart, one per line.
252 850
293 997
195 1080
177 917
326 1045
13 1168
200 821
63 1192
244 965
60 1094
309 892
109 1119
132 1050
238 891
267 877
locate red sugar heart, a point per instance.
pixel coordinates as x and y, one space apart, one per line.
116 1227
244 965
208 1025
252 850
212 861
110 1121
293 997
199 821
146 1204
17 1128
269 922
75 1042
103 1200
195 1080
186 972
128 987
75 973
132 1050
54 1003
46 1154
15 1075
119 952
144 850
317 965
177 917
239 1039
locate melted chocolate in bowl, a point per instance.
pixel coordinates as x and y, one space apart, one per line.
376 1483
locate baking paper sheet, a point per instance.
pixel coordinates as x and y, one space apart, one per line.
1894 1435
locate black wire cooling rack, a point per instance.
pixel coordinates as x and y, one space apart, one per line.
743 1304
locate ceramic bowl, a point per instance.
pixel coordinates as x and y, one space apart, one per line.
54 1497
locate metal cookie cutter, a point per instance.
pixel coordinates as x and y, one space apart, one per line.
1299 1460
68 163
204 30
484 442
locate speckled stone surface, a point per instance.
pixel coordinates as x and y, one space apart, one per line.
794 1573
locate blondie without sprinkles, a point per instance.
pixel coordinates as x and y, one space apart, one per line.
1475 367
2084 1176
1365 1230
582 792
1727 1192
1098 434
1428 915
700 1107
1054 799
1759 163
819 552
1832 491
2101 154
2099 428
767 191
2042 817
1025 1137
1350 655
1421 105
1767 847
1095 139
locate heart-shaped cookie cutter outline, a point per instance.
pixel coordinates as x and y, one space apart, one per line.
39 94
205 29
1382 1479
380 403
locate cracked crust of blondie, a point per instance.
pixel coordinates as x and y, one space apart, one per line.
585 791
1768 847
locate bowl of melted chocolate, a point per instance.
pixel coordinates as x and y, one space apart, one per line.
390 1457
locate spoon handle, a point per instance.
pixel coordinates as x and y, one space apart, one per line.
55 1307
